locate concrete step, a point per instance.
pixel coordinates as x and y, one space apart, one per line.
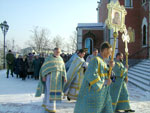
143 76
139 75
141 80
139 71
139 84
143 65
146 60
142 69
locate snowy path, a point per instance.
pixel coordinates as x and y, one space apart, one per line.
17 96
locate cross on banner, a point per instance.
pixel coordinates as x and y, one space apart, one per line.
126 39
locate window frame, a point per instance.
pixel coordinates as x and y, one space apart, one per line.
131 6
144 33
144 23
143 3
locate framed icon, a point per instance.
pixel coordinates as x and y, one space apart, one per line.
116 16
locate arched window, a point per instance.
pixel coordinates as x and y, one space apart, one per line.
144 32
144 35
143 1
89 45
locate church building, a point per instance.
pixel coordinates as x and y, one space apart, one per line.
137 20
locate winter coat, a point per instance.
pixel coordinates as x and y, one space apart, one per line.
10 60
17 63
36 65
23 66
30 64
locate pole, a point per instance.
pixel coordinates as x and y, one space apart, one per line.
115 34
126 78
4 51
127 61
126 58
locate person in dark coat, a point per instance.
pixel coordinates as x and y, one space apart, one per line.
42 59
10 62
36 66
23 67
17 64
30 65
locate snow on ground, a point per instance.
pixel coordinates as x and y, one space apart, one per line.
17 96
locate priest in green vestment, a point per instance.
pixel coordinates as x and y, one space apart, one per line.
94 95
118 89
75 76
52 78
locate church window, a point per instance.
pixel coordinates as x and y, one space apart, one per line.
89 45
143 2
144 35
128 3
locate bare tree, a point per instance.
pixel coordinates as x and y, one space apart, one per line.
39 40
17 48
58 41
73 42
1 54
11 45
8 45
68 47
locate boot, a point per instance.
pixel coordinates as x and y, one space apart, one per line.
23 78
68 98
130 111
12 75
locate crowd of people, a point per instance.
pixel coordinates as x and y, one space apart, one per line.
27 66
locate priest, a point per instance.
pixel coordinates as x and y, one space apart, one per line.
94 95
52 78
75 76
118 89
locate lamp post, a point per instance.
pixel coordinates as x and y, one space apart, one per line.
4 26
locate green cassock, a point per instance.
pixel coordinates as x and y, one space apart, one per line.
56 68
118 89
94 95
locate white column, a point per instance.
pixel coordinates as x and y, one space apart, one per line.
79 38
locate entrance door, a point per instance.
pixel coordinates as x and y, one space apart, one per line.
89 45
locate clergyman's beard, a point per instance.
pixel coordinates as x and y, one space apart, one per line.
121 60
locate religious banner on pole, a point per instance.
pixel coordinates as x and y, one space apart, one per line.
116 17
115 21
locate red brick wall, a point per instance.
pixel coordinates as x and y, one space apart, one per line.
103 12
134 19
97 40
144 12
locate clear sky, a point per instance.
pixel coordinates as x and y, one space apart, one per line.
59 16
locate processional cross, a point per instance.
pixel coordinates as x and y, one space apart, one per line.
126 39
